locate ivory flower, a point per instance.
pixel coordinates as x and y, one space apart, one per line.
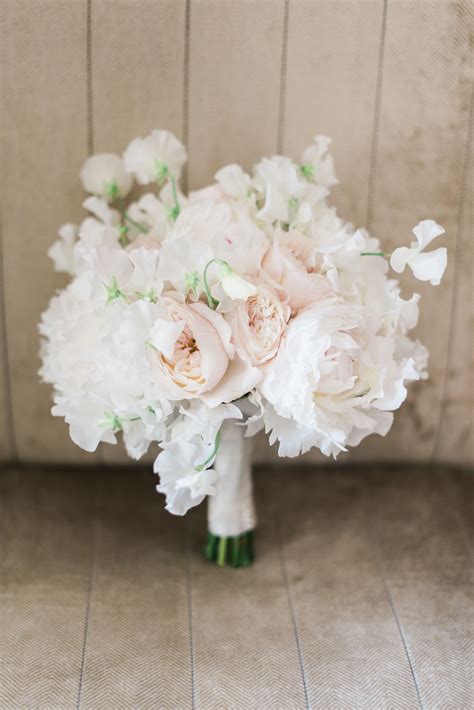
248 300
286 267
105 175
192 354
426 266
158 155
258 324
62 251
183 486
234 286
331 371
318 164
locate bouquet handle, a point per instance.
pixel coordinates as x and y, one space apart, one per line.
231 511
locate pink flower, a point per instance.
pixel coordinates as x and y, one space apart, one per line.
258 324
288 263
193 355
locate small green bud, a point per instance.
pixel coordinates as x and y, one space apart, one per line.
192 283
173 213
307 171
112 421
112 191
162 171
113 291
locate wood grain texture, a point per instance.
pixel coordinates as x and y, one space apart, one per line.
137 84
136 653
44 110
418 169
389 80
331 88
235 53
359 596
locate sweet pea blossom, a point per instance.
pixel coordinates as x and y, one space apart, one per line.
62 250
158 155
426 266
105 175
234 286
183 485
318 164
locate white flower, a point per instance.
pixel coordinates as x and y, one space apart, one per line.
62 250
234 286
233 181
256 303
428 266
258 324
318 165
160 154
183 485
104 175
279 180
334 368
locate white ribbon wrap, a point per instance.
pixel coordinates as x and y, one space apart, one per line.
231 510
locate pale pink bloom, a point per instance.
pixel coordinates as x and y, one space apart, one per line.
302 287
193 356
258 324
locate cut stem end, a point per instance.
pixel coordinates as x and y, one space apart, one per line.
235 551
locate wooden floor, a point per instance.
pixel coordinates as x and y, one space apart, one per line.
359 596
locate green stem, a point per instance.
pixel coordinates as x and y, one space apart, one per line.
213 303
217 443
126 217
236 551
221 551
375 253
140 227
177 208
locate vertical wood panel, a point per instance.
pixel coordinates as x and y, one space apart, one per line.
44 114
137 70
234 83
455 436
333 48
7 442
419 164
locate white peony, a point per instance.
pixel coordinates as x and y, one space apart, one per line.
333 369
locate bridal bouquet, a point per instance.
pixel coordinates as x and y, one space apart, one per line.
194 320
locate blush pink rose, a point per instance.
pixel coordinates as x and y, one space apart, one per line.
289 263
258 324
193 355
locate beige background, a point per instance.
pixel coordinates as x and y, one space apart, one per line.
390 81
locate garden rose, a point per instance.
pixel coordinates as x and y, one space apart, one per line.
284 267
258 324
193 356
